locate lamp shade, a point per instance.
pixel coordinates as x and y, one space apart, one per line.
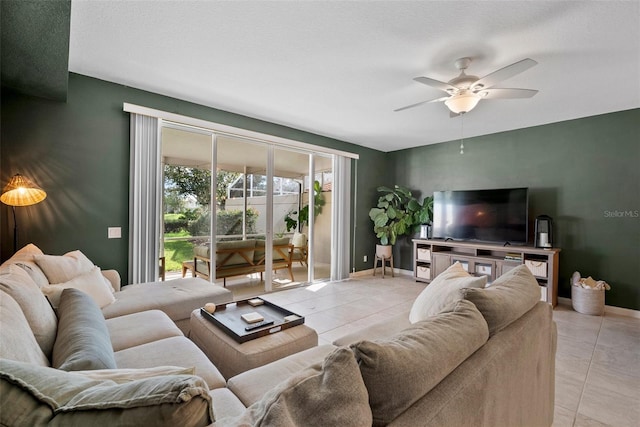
21 191
462 102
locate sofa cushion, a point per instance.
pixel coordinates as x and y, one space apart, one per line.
229 259
252 385
17 341
260 253
401 370
173 351
507 299
83 339
91 283
225 404
328 394
140 328
41 317
177 298
60 269
34 395
443 291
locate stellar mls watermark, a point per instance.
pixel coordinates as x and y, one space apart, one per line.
622 214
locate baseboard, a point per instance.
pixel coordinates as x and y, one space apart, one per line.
369 272
607 309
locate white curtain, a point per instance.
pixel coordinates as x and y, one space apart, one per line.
145 199
341 217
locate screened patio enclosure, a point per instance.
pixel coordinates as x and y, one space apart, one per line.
224 192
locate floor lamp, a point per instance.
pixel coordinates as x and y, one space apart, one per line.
20 191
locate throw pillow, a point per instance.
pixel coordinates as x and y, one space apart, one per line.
18 342
401 370
327 394
42 319
92 283
507 299
83 340
25 253
60 269
34 272
25 259
34 395
443 291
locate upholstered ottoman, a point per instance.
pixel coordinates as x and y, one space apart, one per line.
232 358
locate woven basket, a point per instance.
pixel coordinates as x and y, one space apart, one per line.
587 301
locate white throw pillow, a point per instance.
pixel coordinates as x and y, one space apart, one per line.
60 269
443 291
91 283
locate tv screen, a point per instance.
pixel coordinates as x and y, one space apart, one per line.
485 215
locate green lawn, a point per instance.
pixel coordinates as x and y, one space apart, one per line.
177 251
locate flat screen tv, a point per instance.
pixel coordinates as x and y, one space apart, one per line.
499 215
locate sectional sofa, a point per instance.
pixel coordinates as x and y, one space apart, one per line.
463 355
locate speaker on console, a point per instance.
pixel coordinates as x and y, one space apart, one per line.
544 232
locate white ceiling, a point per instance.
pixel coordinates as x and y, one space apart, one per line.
340 68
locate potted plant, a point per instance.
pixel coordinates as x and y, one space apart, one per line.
423 215
393 216
303 217
396 214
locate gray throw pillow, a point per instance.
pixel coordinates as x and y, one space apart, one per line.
83 340
327 394
401 370
507 299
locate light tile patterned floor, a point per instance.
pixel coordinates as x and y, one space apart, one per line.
597 362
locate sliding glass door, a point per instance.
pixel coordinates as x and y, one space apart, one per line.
242 213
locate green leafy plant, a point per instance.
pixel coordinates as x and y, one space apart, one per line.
303 217
398 213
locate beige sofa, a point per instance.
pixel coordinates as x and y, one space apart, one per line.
242 257
486 359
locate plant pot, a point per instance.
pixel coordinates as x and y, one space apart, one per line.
383 251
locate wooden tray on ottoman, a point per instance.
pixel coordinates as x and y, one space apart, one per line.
228 318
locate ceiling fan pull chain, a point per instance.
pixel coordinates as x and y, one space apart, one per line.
462 133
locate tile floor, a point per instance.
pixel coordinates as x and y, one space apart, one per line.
597 362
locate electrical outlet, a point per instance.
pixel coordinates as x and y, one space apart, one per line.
114 232
365 258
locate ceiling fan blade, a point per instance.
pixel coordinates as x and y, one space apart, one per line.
444 98
504 73
436 83
506 93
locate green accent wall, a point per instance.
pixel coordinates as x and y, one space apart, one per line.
584 173
35 46
78 152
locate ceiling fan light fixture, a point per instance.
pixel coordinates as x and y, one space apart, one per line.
463 102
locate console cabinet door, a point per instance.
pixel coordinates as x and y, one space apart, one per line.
439 263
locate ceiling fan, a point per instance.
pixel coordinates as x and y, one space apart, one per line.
465 91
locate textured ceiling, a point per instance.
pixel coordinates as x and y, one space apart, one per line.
340 68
